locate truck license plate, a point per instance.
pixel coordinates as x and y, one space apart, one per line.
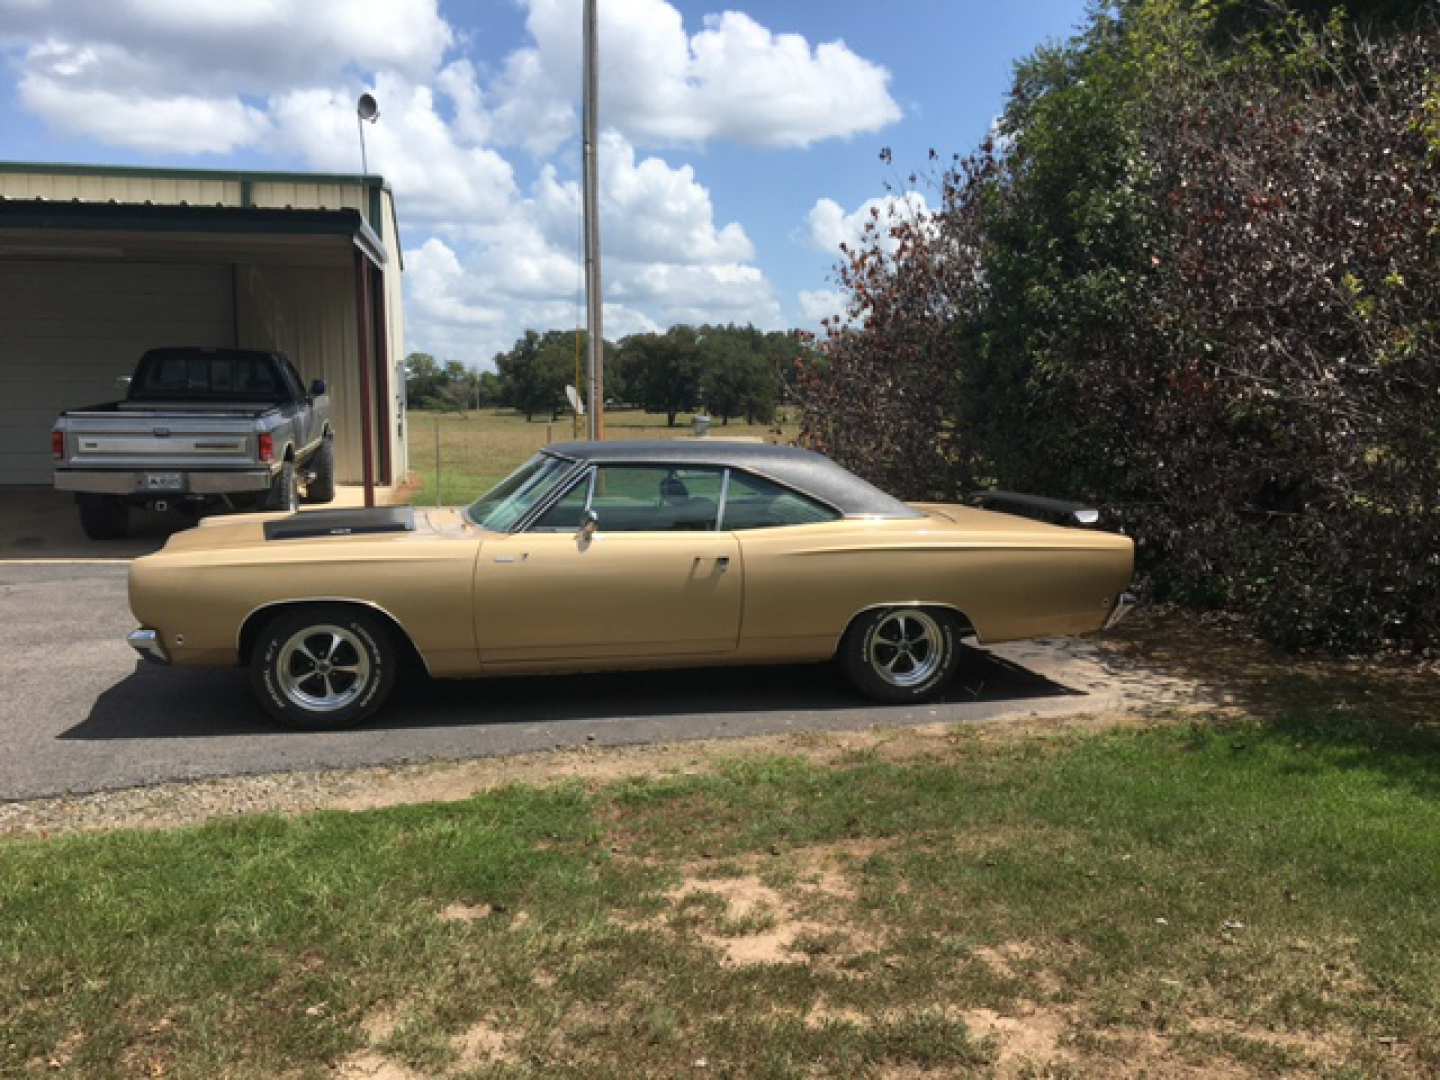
163 481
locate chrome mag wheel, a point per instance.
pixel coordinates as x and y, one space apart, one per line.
906 648
322 668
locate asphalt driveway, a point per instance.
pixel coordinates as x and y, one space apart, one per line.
80 713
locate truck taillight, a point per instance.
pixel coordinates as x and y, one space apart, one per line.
57 445
267 447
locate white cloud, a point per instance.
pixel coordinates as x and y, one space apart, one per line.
734 79
820 304
666 262
175 122
436 175
830 226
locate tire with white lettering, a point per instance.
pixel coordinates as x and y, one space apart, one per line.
323 667
901 654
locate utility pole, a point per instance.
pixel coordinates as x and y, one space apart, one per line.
595 355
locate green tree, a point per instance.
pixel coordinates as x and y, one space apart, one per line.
662 371
423 380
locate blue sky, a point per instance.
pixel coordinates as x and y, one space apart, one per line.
742 142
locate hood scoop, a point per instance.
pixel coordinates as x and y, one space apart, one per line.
313 523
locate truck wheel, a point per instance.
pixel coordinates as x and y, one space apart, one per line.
321 489
283 493
103 517
323 667
901 654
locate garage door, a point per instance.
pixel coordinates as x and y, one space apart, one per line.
69 329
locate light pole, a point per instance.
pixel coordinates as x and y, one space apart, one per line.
594 295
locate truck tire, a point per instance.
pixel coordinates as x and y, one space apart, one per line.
321 489
103 517
283 494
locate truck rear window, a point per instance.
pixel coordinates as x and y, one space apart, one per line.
180 375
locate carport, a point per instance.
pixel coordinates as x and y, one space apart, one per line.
97 265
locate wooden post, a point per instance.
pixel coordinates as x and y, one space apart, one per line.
363 327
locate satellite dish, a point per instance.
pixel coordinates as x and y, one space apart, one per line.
367 108
575 402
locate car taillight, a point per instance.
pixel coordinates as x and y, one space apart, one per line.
57 445
267 447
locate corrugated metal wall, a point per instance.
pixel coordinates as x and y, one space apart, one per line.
395 326
120 187
69 328
308 313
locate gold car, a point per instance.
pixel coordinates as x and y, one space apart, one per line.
619 556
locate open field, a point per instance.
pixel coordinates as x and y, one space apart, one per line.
1237 892
479 448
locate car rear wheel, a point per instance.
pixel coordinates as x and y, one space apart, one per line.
323 667
103 517
901 654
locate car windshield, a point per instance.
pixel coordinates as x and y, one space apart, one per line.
511 499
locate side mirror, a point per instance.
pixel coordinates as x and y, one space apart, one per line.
317 387
589 522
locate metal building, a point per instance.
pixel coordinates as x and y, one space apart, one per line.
100 263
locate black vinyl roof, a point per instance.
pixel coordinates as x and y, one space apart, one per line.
805 471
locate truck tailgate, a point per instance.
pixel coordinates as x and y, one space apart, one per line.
169 439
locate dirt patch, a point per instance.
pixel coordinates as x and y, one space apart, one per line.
1022 962
480 1043
464 913
749 921
368 1065
1025 1043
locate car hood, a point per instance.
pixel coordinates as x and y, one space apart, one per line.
312 527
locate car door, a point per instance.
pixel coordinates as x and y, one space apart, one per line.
654 579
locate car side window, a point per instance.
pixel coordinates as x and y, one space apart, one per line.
648 498
753 502
565 515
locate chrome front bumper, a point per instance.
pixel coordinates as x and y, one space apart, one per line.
147 644
1124 604
126 482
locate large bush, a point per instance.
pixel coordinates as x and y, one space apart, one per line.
1201 285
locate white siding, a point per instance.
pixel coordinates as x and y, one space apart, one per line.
69 329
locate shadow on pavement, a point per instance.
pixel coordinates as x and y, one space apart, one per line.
155 702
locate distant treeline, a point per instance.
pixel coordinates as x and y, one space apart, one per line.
727 371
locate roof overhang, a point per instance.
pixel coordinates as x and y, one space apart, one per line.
29 226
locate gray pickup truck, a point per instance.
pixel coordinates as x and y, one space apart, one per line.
198 429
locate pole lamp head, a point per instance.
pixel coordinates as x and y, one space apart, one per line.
367 109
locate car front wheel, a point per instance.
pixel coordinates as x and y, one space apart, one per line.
902 654
323 667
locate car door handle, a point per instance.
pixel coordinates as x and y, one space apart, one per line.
722 562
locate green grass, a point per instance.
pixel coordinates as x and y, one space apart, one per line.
478 449
265 946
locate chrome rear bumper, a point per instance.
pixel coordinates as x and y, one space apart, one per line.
147 644
1124 604
127 482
